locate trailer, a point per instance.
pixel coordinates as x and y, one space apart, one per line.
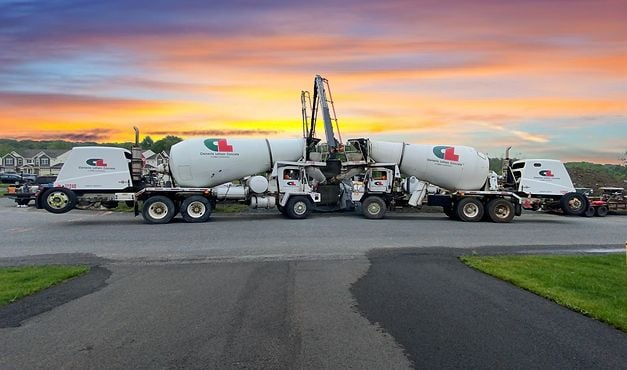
611 199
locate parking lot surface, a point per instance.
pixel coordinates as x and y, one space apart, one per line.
257 290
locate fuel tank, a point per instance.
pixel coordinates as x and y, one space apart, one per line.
448 166
209 162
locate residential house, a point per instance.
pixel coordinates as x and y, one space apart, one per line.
34 161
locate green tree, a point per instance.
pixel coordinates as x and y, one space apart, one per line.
147 143
5 148
165 143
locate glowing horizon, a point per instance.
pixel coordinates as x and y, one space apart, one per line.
548 78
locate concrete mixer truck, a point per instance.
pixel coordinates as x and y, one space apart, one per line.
274 173
390 175
399 174
197 167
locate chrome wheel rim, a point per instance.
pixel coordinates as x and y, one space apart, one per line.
471 210
575 204
300 208
196 209
58 200
502 211
158 210
374 208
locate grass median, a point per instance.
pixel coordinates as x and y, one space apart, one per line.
18 282
595 285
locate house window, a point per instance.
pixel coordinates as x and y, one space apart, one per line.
44 161
20 161
9 161
29 161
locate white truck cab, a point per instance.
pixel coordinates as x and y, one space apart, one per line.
93 168
542 176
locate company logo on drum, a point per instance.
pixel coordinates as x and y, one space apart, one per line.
96 162
219 145
546 173
446 152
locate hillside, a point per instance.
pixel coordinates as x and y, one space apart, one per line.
592 175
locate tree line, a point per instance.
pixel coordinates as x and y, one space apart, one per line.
9 145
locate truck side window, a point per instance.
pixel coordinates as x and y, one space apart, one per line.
379 175
290 174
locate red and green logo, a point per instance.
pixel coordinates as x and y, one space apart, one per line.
446 152
96 162
546 173
218 145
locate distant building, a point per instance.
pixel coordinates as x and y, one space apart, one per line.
34 161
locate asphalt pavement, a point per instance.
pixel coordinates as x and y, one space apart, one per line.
268 235
447 315
279 314
257 291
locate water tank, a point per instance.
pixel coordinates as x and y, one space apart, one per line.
448 166
210 162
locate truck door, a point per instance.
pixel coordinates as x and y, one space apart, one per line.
289 180
380 181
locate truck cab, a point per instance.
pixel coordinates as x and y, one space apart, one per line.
541 177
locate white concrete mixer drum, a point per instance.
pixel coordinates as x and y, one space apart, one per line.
448 166
210 162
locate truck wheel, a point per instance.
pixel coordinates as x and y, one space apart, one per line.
601 211
59 200
500 210
373 207
196 209
298 207
158 210
589 212
574 204
469 210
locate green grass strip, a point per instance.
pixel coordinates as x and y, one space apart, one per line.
595 285
18 282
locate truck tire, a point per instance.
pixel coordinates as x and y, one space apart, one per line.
589 212
373 207
298 207
469 209
500 210
574 204
601 211
196 209
158 210
59 200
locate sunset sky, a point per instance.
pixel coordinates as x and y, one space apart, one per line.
548 77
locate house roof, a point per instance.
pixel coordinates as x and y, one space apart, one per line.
30 153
